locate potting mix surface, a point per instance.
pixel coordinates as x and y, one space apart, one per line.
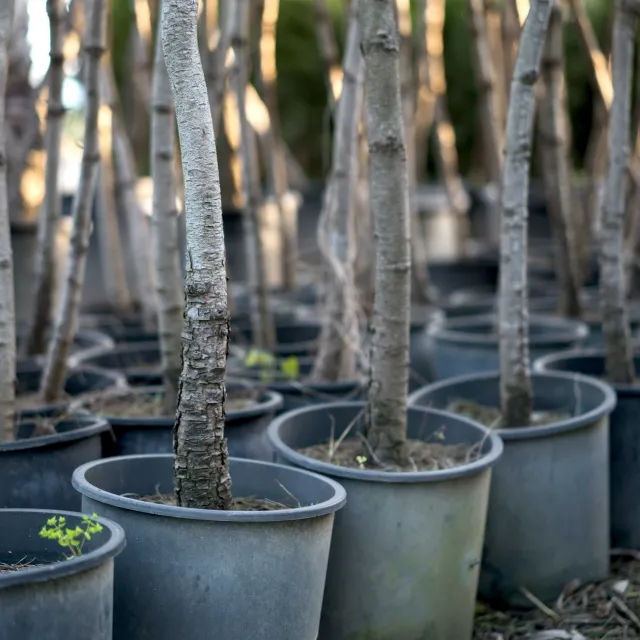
492 416
237 504
608 610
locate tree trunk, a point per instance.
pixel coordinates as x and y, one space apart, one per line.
615 322
488 96
277 164
54 375
45 274
216 65
493 21
261 320
556 171
340 340
389 189
169 285
329 53
7 313
515 380
201 467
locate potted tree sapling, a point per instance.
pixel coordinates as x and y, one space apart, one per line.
549 491
37 455
142 418
56 574
407 546
616 362
190 567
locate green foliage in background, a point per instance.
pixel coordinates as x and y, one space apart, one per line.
302 91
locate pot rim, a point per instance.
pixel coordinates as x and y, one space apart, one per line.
90 560
96 425
530 432
561 330
85 488
371 475
540 366
122 347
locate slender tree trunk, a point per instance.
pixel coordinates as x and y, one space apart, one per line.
556 171
53 379
511 26
340 340
615 322
277 164
493 20
216 65
201 468
45 267
169 286
515 380
329 52
7 313
389 189
262 322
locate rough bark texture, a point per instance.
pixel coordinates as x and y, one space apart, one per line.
201 468
340 340
615 323
389 195
277 164
556 171
488 97
7 313
45 274
329 52
515 380
54 375
169 286
261 320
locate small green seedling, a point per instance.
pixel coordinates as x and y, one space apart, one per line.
361 460
269 366
71 539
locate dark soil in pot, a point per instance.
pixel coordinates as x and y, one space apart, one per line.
58 599
548 521
406 549
80 380
140 362
297 339
470 345
140 424
197 573
36 468
624 451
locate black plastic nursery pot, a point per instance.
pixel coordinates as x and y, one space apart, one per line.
80 380
56 598
140 362
470 345
197 573
245 429
624 441
406 549
420 362
85 343
448 276
297 339
35 472
548 521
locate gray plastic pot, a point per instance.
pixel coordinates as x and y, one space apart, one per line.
86 342
406 549
470 345
624 441
245 429
196 573
140 362
420 361
62 600
548 518
449 275
296 339
35 473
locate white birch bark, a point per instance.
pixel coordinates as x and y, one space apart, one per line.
277 164
340 339
45 273
7 312
515 378
53 379
389 194
615 322
556 170
201 467
169 286
261 320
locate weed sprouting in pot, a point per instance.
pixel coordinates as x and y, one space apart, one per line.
272 368
72 540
